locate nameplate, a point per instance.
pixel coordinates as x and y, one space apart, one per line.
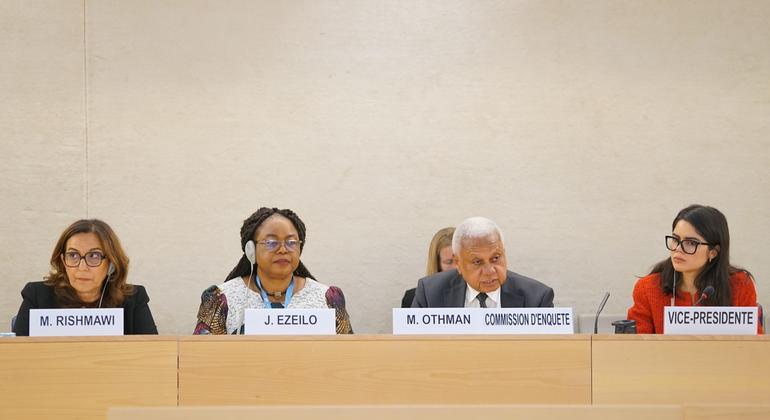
483 321
290 322
711 320
75 322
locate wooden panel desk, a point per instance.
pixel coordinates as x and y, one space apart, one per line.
384 369
455 412
727 412
80 378
444 412
656 369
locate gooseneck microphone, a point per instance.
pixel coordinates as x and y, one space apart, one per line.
706 294
601 307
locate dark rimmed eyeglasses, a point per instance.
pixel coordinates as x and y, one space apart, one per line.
272 245
72 259
689 246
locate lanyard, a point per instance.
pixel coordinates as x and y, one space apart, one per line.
266 300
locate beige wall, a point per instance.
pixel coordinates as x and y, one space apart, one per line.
580 127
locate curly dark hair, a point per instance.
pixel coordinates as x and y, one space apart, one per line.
249 228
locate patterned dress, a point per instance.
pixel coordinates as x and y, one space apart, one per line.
223 307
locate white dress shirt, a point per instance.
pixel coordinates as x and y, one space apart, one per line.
471 301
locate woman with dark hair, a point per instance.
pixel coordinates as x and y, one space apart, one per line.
88 270
440 258
268 275
700 257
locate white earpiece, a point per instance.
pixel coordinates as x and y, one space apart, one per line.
250 251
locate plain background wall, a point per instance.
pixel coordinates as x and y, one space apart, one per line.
580 127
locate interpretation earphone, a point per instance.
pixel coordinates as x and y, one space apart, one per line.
250 250
110 272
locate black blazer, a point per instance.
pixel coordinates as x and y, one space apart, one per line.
137 318
406 301
447 290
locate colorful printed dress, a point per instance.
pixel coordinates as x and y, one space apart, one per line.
223 306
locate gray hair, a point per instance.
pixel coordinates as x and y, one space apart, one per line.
474 228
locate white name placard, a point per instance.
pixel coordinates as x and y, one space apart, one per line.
75 322
716 320
483 321
290 322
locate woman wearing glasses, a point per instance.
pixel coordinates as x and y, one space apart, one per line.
268 275
88 270
699 248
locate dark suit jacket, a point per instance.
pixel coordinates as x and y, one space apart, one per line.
406 301
137 318
447 290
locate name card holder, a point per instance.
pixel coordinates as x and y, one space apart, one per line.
483 321
710 320
75 322
290 322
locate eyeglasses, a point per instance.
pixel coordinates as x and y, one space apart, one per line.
689 246
93 258
272 245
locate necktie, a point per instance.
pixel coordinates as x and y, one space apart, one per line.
482 297
276 305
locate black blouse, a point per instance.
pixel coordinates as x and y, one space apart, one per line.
137 318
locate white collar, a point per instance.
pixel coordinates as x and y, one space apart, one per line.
471 293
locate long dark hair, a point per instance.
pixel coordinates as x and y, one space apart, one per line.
117 288
249 228
711 224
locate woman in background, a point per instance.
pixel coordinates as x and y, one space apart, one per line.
699 248
440 258
88 270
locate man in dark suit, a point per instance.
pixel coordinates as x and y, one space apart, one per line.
482 278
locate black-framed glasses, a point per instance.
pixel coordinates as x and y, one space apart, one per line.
92 258
272 245
689 246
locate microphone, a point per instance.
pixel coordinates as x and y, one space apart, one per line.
706 294
335 299
601 307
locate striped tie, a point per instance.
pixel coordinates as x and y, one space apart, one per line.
482 297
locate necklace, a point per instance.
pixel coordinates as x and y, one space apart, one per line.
275 294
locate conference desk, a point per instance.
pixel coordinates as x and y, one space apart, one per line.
410 412
79 378
658 369
385 369
450 412
82 377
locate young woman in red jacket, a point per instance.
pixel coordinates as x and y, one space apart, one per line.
700 257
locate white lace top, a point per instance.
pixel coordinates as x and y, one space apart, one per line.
240 297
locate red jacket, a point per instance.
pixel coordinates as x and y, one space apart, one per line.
649 300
